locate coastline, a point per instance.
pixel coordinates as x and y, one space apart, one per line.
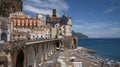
84 56
104 47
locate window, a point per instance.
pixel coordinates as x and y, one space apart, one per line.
24 24
28 24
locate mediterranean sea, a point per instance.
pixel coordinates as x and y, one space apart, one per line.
107 48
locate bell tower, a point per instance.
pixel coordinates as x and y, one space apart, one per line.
54 13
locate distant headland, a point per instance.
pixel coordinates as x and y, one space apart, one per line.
79 35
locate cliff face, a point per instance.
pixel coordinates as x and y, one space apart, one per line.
9 6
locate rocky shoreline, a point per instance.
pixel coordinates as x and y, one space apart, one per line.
83 55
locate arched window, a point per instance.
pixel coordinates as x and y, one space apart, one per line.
4 36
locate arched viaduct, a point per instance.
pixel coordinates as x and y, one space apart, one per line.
33 53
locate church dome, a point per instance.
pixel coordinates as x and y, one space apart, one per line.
64 19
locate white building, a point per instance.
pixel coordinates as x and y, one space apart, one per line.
42 18
19 14
42 32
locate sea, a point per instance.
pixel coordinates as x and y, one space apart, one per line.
106 48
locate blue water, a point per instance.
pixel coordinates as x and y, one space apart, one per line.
105 48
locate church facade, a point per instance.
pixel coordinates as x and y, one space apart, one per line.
60 26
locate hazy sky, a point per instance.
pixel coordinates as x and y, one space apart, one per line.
95 18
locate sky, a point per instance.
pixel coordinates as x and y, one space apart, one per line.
94 18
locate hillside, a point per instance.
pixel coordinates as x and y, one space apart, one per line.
10 6
79 35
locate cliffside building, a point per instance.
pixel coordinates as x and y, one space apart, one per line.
40 26
61 26
25 27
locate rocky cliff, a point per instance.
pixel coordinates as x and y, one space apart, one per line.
10 6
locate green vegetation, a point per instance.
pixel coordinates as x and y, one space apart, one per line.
19 48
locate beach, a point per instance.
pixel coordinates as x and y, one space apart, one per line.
67 58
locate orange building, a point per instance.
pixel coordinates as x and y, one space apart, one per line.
22 23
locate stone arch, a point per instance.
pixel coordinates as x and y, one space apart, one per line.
30 56
20 59
74 43
4 36
58 44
